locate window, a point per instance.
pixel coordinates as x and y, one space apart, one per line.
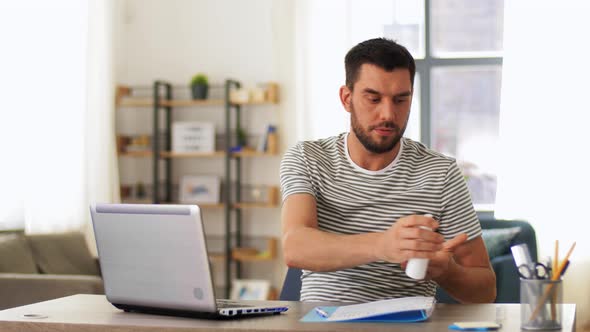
457 45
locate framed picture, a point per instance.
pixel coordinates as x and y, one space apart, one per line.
200 189
250 289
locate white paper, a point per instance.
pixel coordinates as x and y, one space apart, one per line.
377 308
477 325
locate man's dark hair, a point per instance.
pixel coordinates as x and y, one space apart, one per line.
381 52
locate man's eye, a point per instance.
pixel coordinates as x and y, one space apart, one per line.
400 100
374 100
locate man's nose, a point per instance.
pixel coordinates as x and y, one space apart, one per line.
387 110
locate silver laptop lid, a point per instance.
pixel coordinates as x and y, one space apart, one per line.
154 256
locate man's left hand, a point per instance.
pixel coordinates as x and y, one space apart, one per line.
439 265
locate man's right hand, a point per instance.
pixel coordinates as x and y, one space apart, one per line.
405 239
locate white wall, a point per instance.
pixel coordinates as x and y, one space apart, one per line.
251 41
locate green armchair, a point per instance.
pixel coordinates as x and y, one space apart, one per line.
499 236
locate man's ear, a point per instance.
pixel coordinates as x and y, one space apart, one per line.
345 97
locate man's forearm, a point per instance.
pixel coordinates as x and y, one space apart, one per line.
469 284
311 249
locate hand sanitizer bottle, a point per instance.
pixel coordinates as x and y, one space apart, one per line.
416 268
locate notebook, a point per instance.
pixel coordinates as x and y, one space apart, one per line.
401 310
153 259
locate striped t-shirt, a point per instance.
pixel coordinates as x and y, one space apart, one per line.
353 200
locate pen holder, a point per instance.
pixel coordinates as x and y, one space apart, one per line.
540 304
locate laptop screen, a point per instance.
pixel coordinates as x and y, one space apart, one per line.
154 256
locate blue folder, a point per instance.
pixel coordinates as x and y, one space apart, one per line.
397 317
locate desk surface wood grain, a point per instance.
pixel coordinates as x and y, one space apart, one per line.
94 313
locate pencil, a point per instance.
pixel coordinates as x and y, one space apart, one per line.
554 277
563 263
554 269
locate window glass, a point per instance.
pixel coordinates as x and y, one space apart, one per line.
406 25
465 108
466 28
413 127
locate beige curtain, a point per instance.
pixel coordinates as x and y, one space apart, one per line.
44 78
57 131
101 169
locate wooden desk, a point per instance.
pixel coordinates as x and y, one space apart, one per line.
94 313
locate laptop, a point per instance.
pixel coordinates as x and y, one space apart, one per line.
153 259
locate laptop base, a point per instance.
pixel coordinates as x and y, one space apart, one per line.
186 313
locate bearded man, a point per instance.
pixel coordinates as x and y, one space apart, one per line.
356 205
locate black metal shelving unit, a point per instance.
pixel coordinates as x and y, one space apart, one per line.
233 238
232 109
165 88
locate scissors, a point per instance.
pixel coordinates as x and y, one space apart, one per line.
534 271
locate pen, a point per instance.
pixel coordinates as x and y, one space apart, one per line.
321 312
556 276
565 268
455 327
556 258
474 326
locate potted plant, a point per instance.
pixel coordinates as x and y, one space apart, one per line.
200 86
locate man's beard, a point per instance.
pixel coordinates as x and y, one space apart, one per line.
369 143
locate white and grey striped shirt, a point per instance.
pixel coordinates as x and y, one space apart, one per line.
352 200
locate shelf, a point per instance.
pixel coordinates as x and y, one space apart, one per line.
149 201
136 102
204 206
254 205
170 154
254 103
215 154
124 98
272 200
211 206
254 255
148 102
253 153
192 102
136 154
219 257
136 200
249 254
257 258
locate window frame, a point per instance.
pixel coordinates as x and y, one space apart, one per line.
425 66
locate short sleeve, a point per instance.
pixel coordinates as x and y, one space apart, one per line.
294 173
457 215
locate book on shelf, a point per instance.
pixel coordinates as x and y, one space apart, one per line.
269 141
